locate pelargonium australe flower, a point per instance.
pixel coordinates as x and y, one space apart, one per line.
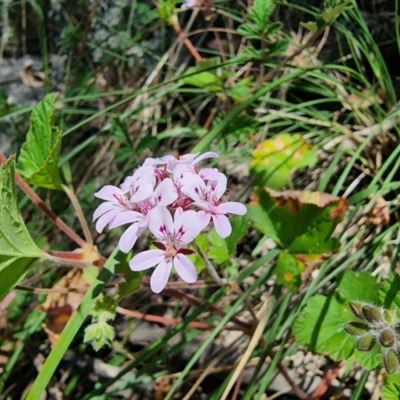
147 199
173 236
207 197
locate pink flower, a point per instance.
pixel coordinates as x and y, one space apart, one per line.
173 236
141 184
207 197
117 205
191 3
164 194
186 159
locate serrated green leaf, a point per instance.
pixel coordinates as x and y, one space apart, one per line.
99 334
17 249
249 30
38 159
104 308
320 327
251 52
261 12
359 286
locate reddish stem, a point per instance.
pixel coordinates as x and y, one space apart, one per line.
169 321
329 376
40 203
187 42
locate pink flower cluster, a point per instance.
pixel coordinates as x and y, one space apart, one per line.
175 200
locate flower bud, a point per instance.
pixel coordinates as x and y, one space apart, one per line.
356 328
365 343
389 316
387 338
372 314
390 361
356 308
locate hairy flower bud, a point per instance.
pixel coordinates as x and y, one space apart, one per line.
356 308
365 343
390 361
355 328
372 314
387 338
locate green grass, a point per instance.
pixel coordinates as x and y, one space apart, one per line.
109 132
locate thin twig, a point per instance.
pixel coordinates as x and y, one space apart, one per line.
187 42
86 231
40 203
170 321
210 268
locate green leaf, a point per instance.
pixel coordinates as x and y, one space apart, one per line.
391 392
312 26
240 91
389 291
251 52
17 249
219 254
133 280
320 327
360 286
331 12
261 12
221 250
274 159
38 159
249 30
205 80
311 216
99 334
288 270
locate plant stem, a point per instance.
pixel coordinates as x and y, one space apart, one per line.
211 270
86 231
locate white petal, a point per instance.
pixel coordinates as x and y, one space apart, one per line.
222 225
108 192
128 238
125 217
103 208
186 227
105 219
220 187
161 224
160 276
207 154
165 192
204 217
193 186
232 207
143 191
185 268
146 260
